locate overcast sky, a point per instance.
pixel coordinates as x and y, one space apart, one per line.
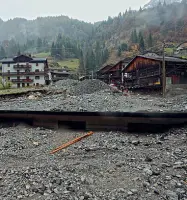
87 10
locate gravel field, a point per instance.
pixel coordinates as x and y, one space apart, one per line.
93 96
105 166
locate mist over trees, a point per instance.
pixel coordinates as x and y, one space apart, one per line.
92 44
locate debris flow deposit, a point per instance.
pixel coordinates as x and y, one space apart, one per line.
44 164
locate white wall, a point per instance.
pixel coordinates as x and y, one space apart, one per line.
40 67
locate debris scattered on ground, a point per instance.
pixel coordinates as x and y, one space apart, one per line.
71 142
104 166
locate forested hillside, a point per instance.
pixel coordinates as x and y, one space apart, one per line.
130 33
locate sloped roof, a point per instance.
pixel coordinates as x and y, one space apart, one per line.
159 58
33 59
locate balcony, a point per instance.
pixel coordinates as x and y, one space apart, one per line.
22 66
22 80
23 73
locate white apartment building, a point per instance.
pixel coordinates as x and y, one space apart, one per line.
25 71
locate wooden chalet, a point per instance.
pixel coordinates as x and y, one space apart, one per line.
112 73
146 71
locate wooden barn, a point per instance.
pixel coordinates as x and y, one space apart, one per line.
113 73
146 71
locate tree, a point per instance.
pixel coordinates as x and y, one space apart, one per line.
2 52
39 44
134 37
119 51
19 53
81 63
53 49
124 47
4 83
150 40
141 42
140 10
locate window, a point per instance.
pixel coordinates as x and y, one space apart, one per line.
37 77
18 85
8 78
27 84
9 71
37 70
36 64
27 77
17 71
8 64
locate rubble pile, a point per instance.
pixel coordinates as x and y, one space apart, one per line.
105 166
89 87
66 83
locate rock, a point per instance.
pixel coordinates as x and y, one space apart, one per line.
135 142
146 184
20 197
134 191
180 191
147 171
56 191
179 163
27 186
156 191
36 143
130 193
168 178
171 195
148 159
121 190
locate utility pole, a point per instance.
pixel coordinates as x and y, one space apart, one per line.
163 72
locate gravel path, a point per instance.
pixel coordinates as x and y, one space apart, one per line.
105 166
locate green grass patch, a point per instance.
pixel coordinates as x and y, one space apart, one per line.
169 50
42 55
72 64
13 90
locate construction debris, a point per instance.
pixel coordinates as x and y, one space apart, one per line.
71 142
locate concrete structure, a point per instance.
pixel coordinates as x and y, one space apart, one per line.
25 71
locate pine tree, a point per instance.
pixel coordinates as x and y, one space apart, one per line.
53 49
135 36
150 40
132 36
81 63
39 44
2 52
124 47
141 42
119 51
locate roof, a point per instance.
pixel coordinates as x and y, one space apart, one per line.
60 73
105 68
33 60
167 58
159 58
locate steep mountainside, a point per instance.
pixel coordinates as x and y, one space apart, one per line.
125 35
45 27
154 3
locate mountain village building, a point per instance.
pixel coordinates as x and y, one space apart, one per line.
25 71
